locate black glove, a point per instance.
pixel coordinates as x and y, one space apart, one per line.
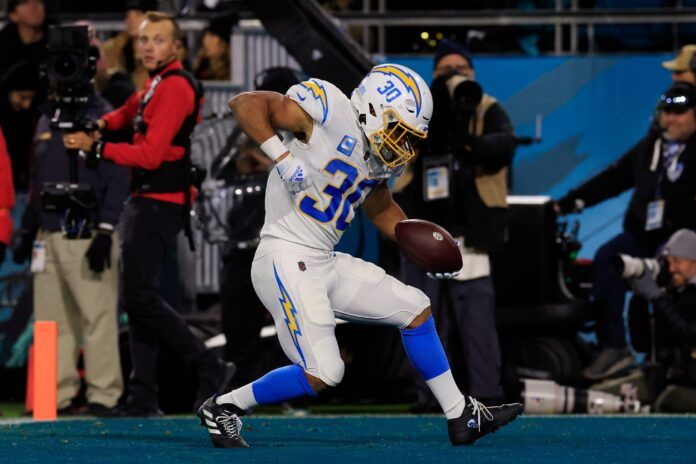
99 251
22 245
3 247
93 156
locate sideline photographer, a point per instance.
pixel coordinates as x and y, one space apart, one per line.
460 181
670 369
662 169
164 115
69 224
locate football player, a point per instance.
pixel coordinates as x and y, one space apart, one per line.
336 154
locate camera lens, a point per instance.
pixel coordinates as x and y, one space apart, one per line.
65 66
467 95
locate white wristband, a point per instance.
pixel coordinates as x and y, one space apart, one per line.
105 226
273 148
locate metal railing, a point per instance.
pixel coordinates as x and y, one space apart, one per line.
574 20
560 19
570 23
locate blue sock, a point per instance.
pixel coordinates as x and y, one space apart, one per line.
281 384
424 349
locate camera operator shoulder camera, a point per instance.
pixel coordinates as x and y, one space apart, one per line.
163 116
68 199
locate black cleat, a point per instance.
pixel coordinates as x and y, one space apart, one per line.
478 420
223 424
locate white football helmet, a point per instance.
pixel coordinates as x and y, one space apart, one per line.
394 108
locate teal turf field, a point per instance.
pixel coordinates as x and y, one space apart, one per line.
353 439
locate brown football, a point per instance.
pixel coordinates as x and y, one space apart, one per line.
428 246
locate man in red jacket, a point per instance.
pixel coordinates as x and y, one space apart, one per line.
7 198
163 114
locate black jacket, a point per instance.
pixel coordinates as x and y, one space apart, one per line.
464 213
677 309
676 318
50 164
632 170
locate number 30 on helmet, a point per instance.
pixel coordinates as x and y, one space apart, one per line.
394 108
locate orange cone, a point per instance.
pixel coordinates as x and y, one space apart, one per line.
45 370
29 399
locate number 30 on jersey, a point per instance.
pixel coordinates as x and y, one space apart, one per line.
308 205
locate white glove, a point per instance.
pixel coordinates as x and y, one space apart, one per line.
294 173
443 275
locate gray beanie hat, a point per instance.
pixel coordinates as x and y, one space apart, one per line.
682 243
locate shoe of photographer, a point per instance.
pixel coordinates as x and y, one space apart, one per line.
138 410
99 410
676 399
610 362
72 409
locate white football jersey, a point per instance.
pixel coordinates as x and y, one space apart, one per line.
336 158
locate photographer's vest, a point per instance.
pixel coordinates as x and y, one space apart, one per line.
170 176
491 187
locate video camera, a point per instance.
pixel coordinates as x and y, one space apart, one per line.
69 67
70 64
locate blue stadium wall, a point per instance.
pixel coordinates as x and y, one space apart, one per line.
593 110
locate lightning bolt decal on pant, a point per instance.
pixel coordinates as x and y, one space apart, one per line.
290 312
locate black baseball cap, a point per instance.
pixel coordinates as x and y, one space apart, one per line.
679 98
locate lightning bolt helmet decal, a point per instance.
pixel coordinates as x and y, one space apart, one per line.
406 79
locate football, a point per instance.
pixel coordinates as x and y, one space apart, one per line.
428 246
